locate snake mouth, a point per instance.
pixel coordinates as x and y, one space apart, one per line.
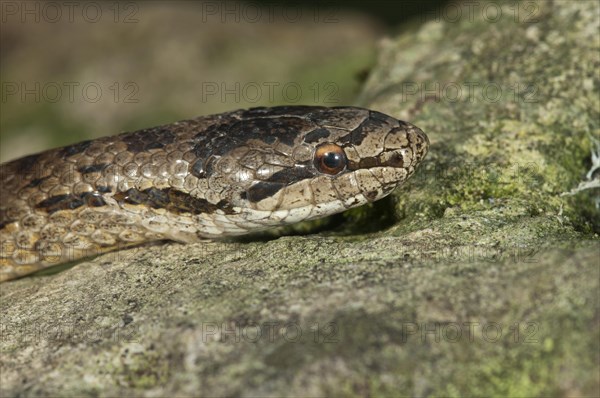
373 196
383 189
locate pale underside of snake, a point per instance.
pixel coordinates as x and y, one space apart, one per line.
215 176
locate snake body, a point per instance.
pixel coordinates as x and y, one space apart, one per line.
214 176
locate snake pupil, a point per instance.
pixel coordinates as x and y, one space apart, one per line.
330 159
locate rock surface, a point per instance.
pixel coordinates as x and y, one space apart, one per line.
485 282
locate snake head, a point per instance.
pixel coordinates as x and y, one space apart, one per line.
304 162
376 156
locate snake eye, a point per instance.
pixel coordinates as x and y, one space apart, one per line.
330 159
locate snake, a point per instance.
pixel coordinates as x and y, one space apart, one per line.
210 177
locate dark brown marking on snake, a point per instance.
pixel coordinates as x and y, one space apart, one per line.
356 136
132 196
220 138
70 202
59 202
172 200
262 190
93 168
397 160
103 189
301 110
197 169
291 175
213 129
209 167
351 166
36 181
26 164
284 129
382 117
93 199
4 220
365 163
316 135
367 127
156 198
214 136
144 140
341 118
74 149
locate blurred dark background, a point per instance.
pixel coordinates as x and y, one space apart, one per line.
389 12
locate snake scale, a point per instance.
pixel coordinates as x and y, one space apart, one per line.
214 176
